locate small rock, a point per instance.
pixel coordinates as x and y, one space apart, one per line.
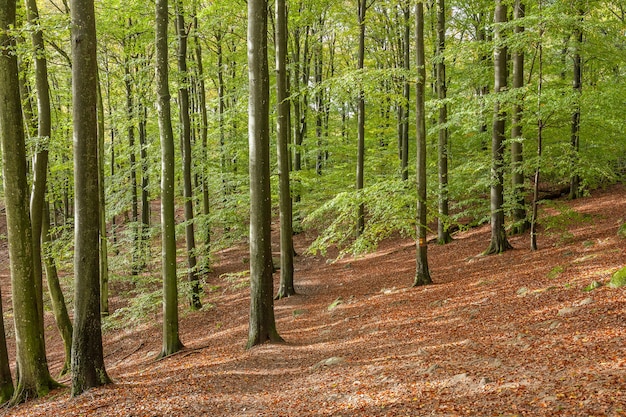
522 292
566 311
432 368
555 325
584 302
332 361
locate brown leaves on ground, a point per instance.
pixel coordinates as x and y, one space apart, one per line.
510 334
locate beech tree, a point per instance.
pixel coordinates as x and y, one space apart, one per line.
262 325
283 138
33 377
88 369
499 242
422 273
171 340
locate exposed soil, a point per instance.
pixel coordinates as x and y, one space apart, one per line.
511 334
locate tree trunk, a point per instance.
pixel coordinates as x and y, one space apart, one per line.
406 92
171 340
185 142
40 160
6 381
574 191
103 244
422 274
32 368
360 158
499 242
283 138
443 235
88 369
59 308
262 326
519 209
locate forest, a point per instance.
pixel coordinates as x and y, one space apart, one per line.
237 192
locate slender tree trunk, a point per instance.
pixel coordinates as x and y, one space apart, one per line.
406 92
130 115
319 99
262 325
499 242
540 125
422 274
204 133
103 244
185 142
40 160
443 235
517 177
360 159
171 340
574 191
283 138
88 369
59 308
6 381
33 377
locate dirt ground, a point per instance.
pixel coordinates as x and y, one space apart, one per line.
513 334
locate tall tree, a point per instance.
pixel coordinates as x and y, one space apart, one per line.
443 235
40 160
283 138
88 369
574 191
422 274
33 377
171 340
360 158
540 126
517 176
406 91
185 142
499 242
262 325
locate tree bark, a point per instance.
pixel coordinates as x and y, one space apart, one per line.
59 308
443 235
360 159
499 242
33 377
88 368
422 273
185 142
577 85
517 176
262 325
171 340
283 138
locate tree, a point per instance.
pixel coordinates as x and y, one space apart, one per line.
422 274
577 85
499 242
443 235
88 369
6 381
517 176
360 161
185 141
171 340
283 138
262 325
33 377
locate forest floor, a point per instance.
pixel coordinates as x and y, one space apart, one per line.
514 334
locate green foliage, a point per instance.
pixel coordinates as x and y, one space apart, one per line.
621 232
237 280
560 223
618 279
390 207
143 302
555 272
